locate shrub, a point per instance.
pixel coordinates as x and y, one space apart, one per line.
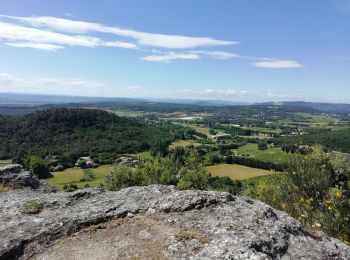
180 168
88 175
212 131
38 167
315 190
81 163
122 177
70 187
33 207
195 178
262 145
225 184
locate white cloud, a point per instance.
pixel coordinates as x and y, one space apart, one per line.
277 64
142 38
171 57
340 57
126 45
218 54
191 55
51 34
59 86
20 33
21 36
39 46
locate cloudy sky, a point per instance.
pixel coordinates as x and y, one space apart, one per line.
235 50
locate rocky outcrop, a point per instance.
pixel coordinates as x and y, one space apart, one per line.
174 224
16 177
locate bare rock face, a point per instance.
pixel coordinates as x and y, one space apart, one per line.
156 222
15 176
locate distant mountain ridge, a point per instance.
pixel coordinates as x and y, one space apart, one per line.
332 108
38 99
31 102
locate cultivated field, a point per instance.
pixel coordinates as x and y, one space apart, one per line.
236 172
183 143
74 176
275 154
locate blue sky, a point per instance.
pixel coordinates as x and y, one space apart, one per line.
239 50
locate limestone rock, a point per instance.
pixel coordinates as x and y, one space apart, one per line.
15 176
175 224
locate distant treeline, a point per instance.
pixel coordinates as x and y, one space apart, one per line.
338 140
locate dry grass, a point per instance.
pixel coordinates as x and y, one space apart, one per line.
189 234
33 207
4 187
94 228
237 172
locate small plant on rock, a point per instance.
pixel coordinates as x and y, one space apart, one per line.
33 207
189 234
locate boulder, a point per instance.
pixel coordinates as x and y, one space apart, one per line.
154 219
16 177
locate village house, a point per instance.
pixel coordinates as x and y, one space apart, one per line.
127 161
89 163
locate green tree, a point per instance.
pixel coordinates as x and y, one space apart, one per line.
262 145
38 167
212 131
122 177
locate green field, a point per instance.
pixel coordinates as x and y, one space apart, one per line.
183 143
142 156
236 172
275 154
74 176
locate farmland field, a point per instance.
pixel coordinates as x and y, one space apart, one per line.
183 143
236 172
275 154
74 176
142 156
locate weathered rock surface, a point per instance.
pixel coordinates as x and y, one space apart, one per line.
154 222
17 177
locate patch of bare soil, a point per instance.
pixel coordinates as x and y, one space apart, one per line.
139 237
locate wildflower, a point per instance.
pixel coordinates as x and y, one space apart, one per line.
346 242
338 193
328 201
309 200
317 225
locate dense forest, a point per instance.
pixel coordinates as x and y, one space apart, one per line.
338 140
83 131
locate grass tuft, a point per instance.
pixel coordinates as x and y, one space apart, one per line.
189 234
33 207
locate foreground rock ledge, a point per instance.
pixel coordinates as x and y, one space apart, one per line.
225 226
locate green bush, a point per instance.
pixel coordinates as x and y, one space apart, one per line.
180 168
38 167
122 177
315 190
70 187
33 207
